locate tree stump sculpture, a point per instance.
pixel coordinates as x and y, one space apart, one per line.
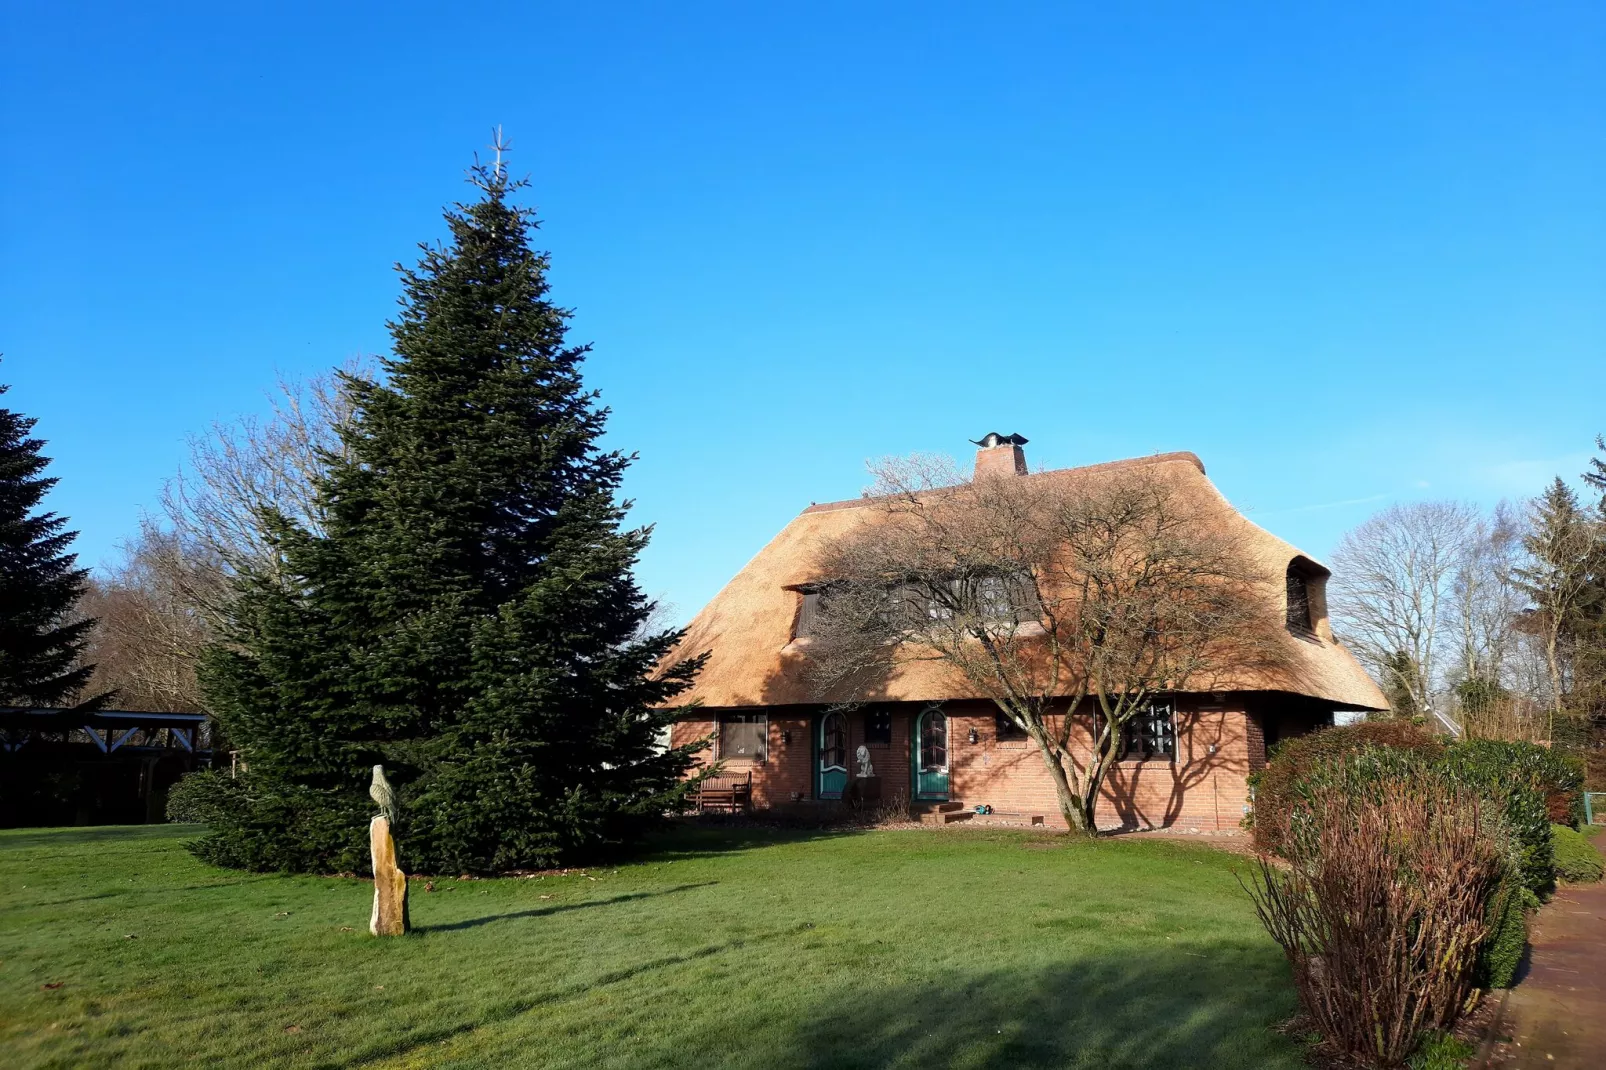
390 883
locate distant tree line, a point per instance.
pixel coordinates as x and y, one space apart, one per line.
1490 623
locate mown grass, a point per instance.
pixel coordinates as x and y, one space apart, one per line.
720 948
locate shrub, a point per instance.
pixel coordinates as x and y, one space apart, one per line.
204 797
1385 907
1520 777
1274 787
1558 777
1506 919
1527 781
1577 860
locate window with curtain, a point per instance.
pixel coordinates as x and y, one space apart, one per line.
744 736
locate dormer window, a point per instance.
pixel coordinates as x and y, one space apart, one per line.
808 612
1301 621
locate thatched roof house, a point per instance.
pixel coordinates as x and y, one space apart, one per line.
769 718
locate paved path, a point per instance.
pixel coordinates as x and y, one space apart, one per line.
1556 1016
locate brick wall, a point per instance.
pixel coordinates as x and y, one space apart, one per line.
1204 788
1218 745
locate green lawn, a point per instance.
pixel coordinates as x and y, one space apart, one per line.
727 949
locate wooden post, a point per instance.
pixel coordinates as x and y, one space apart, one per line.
390 883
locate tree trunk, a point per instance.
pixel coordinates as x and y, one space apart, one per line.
1077 817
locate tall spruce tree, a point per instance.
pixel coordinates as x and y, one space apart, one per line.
1561 545
468 618
40 645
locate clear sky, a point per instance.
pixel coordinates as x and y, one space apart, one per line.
1347 253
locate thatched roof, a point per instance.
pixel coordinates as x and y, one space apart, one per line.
754 661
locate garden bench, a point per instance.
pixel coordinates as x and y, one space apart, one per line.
730 793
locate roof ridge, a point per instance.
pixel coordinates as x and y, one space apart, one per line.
1128 462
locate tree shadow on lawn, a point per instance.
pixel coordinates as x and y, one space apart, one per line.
556 908
1137 1009
710 836
80 835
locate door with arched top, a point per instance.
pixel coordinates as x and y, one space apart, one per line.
831 756
929 742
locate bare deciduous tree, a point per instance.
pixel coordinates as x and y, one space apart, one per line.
239 471
1071 606
1485 605
148 633
158 609
1393 589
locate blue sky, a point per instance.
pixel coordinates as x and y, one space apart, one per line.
1349 254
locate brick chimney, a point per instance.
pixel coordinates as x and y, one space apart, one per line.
1000 455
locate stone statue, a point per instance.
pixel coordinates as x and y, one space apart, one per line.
380 791
862 756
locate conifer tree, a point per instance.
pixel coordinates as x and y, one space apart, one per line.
40 646
467 616
1562 546
1402 682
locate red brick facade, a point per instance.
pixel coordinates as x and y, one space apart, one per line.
1218 743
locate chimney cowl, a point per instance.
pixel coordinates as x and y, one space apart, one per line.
993 439
1000 455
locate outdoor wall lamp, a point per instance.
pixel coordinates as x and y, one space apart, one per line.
972 736
786 736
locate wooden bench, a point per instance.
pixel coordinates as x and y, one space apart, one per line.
730 793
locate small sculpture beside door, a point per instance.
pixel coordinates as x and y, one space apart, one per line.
862 756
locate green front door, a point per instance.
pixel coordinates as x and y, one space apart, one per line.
831 756
930 758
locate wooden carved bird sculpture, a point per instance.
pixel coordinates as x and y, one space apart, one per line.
380 791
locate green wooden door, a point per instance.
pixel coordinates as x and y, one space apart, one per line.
831 756
930 759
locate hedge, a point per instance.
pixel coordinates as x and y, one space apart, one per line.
1507 918
1501 773
203 796
1274 787
1558 777
1576 858
1528 782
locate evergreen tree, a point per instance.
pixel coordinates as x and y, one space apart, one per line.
468 616
1589 685
1401 683
40 646
1562 544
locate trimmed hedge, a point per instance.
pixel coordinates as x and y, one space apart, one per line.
1528 782
203 796
1513 777
1530 786
1577 860
1507 918
1275 786
1558 777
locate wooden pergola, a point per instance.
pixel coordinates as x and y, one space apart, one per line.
123 761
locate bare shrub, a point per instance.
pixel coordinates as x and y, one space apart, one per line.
1383 910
